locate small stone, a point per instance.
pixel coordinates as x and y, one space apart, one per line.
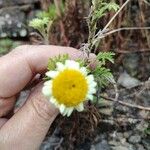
127 134
14 34
135 139
106 111
92 147
140 147
119 135
51 142
7 16
144 114
19 25
126 146
122 109
122 140
23 33
3 35
103 145
114 143
142 126
127 81
146 143
131 63
9 20
120 148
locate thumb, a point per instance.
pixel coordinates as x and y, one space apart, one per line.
28 127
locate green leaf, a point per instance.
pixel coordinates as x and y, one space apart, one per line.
51 13
81 62
6 45
103 76
113 6
39 23
52 61
105 56
51 64
61 58
147 131
103 8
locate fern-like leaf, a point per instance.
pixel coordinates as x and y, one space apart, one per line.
38 23
103 8
105 56
103 76
60 58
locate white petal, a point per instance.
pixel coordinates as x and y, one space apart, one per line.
84 71
60 66
72 64
48 83
52 74
53 101
70 110
62 108
65 111
93 84
80 107
92 90
46 91
90 97
90 79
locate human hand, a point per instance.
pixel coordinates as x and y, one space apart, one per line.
26 129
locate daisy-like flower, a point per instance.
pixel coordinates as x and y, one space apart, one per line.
70 86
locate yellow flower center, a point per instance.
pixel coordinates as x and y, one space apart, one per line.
69 87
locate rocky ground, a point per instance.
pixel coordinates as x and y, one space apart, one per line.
15 15
120 129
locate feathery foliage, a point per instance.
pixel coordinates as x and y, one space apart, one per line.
105 56
52 61
99 9
44 21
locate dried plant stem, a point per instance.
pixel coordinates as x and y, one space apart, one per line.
123 120
59 144
116 91
94 42
45 4
57 4
142 16
126 104
107 25
122 29
134 51
59 14
146 2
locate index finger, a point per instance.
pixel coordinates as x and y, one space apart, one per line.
19 66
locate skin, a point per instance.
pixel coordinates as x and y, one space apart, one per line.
27 128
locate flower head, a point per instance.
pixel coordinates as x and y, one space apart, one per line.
69 86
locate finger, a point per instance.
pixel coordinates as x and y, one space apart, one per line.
6 105
28 127
18 67
2 121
